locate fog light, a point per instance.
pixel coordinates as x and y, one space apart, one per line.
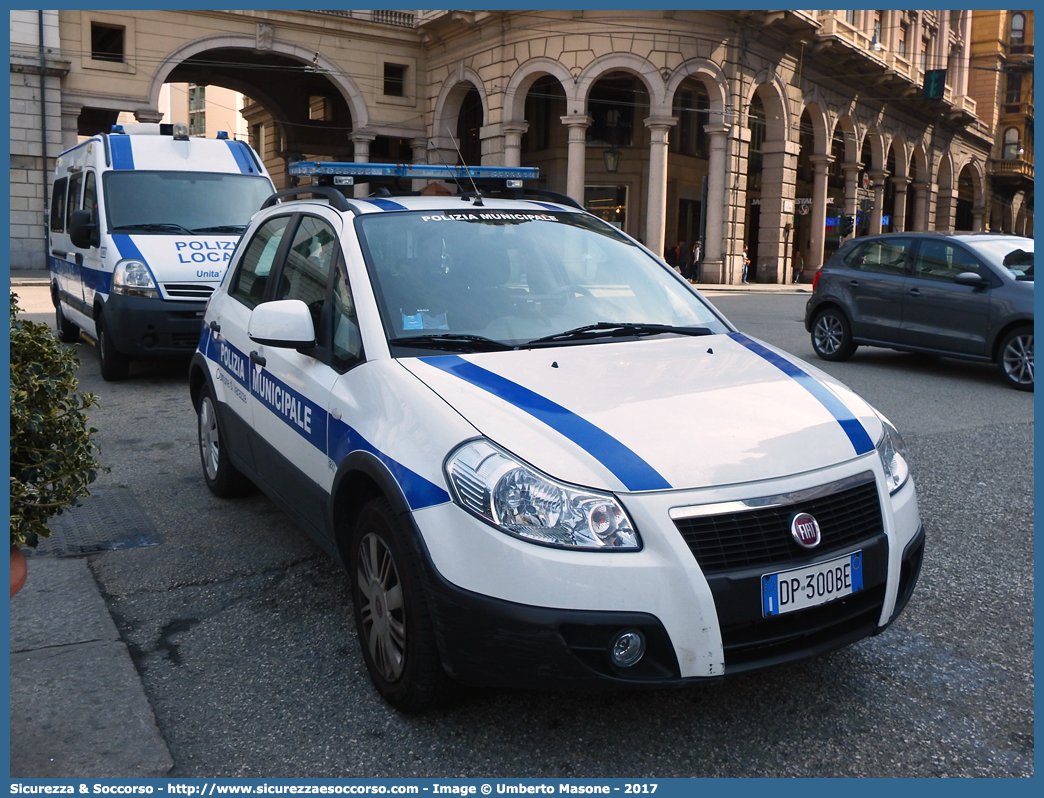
627 648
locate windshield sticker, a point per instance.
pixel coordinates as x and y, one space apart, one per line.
423 321
488 217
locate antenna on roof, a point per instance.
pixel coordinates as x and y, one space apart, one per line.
478 195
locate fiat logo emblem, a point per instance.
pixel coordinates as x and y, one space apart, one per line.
805 530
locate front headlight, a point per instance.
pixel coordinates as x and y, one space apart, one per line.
521 501
132 278
892 452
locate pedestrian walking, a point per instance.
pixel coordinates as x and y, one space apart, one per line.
746 263
697 261
799 266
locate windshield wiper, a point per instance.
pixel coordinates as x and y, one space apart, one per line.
153 227
614 329
221 228
451 341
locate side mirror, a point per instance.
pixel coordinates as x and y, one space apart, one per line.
284 323
973 279
82 232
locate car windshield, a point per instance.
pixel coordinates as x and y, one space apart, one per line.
1011 252
196 203
487 279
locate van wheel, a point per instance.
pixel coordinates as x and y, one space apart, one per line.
114 365
1016 358
68 333
223 479
832 336
392 619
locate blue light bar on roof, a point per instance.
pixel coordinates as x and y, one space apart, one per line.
415 171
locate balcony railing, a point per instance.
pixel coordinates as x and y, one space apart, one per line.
400 19
1013 167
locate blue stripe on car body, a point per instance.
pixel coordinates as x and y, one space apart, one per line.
628 467
243 160
338 439
122 156
849 423
385 205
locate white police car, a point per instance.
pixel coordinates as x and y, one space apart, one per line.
543 458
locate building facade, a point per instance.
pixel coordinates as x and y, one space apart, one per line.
745 130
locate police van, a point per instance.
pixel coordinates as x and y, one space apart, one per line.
544 459
143 223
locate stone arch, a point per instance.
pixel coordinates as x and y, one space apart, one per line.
772 94
620 62
522 81
822 127
451 97
344 84
712 78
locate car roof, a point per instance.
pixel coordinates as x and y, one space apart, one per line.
441 204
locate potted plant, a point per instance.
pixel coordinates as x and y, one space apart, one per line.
52 453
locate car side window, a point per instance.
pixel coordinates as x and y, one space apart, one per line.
943 261
73 203
309 261
882 256
58 205
251 278
347 343
90 196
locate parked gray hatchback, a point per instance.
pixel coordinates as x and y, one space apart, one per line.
965 295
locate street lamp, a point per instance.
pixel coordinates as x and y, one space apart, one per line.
612 159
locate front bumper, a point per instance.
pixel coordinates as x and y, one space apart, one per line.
489 595
142 326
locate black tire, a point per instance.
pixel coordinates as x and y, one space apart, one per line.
1015 358
115 365
832 335
392 619
222 478
68 333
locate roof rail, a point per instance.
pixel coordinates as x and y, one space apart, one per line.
335 197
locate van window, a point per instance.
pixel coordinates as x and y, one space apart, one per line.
58 204
90 196
73 204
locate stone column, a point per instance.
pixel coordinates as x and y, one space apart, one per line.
656 215
851 171
576 169
920 220
70 125
714 243
899 210
946 210
513 132
878 179
362 155
419 157
820 168
978 215
778 176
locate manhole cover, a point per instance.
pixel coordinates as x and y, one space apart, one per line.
107 520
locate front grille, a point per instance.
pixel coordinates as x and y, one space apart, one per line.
761 537
188 291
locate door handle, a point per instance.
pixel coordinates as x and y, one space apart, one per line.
79 259
59 254
915 292
259 359
215 326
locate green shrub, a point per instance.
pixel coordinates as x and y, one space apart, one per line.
52 454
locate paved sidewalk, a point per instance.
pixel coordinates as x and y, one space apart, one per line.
78 708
